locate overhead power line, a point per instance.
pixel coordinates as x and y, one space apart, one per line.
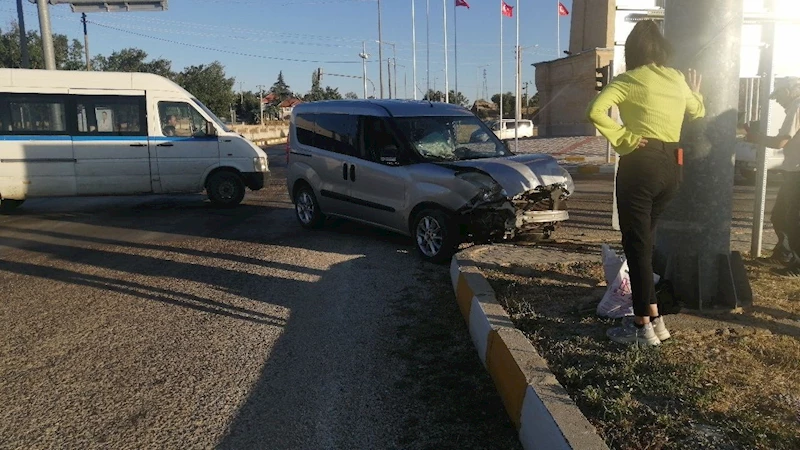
232 52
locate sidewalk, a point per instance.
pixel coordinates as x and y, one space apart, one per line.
578 154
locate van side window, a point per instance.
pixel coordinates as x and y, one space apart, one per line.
118 116
304 128
181 119
337 133
379 144
33 114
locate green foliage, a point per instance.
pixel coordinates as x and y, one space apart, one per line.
210 85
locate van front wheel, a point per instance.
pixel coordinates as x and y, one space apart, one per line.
225 189
435 236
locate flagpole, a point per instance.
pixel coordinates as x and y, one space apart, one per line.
414 45
558 28
446 77
501 67
516 89
455 45
428 45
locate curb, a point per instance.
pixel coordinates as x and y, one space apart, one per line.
539 407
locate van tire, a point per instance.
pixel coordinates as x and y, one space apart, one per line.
441 228
306 208
225 189
8 205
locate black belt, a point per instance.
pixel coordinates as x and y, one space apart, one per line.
661 145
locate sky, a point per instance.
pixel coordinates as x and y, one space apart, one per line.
255 39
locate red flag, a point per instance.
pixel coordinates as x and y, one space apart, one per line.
562 10
462 3
507 10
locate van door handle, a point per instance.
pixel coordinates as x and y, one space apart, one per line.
165 144
138 145
344 171
352 173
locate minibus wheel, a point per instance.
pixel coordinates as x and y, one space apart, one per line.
8 205
225 189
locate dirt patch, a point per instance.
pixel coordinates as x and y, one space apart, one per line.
725 381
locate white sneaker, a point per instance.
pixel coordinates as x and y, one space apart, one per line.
661 330
629 334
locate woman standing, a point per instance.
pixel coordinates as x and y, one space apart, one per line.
653 100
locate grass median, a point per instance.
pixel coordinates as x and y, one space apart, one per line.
725 381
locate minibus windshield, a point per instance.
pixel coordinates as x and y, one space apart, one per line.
212 115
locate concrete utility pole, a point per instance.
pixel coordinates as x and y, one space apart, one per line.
86 42
693 239
260 88
23 38
364 57
47 35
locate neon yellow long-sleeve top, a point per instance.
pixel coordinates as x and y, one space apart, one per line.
653 101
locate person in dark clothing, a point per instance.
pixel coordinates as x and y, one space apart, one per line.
653 101
785 213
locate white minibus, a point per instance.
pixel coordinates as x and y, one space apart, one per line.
70 133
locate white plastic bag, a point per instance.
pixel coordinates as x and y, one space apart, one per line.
617 301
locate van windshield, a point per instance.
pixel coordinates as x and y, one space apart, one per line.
213 116
444 138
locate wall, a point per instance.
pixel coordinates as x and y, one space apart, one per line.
272 133
592 25
566 86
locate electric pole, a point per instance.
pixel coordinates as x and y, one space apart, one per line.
47 35
86 42
23 38
693 243
364 57
389 74
260 88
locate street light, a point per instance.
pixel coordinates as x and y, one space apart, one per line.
364 56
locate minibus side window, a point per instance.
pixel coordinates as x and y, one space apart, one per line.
181 119
33 114
115 116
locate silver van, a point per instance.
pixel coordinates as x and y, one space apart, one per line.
432 171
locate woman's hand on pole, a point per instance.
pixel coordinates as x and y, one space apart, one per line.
694 80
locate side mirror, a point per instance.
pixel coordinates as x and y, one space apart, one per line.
210 129
389 154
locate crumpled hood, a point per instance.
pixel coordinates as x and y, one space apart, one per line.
519 173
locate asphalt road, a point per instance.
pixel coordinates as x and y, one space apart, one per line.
159 322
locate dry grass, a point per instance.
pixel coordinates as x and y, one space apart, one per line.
724 381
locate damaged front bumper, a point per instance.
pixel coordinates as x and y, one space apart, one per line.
533 214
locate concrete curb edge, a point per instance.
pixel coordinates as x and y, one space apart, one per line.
539 407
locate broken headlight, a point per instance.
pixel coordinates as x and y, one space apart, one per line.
488 189
569 183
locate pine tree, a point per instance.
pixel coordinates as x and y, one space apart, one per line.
280 88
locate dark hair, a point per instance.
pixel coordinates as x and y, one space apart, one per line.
646 45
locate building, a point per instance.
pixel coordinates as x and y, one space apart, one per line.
287 106
598 32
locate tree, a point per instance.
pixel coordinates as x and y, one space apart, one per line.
460 99
316 93
434 96
281 89
351 96
508 103
332 93
247 109
210 85
133 60
69 55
